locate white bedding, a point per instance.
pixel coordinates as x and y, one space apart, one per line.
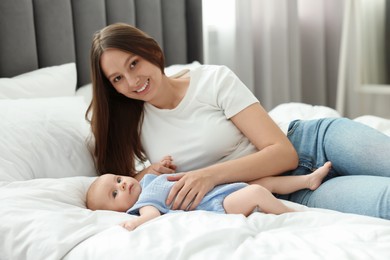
46 218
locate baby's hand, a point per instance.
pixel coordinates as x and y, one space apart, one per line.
166 165
131 224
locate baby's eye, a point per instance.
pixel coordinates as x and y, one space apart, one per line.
133 64
118 180
114 193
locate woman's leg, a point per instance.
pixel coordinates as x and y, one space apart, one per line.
357 152
363 195
357 149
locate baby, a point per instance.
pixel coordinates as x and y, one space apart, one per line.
147 197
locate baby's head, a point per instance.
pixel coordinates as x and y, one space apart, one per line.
113 192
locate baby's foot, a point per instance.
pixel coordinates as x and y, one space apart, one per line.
316 177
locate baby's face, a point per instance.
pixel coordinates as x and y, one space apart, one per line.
115 192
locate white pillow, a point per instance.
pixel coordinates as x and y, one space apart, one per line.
52 81
379 123
44 138
86 92
284 113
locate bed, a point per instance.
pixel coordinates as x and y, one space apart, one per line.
46 167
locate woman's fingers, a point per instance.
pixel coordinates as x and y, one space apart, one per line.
196 201
180 198
188 200
175 188
188 191
175 177
194 198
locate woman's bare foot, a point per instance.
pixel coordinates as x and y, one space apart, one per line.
315 178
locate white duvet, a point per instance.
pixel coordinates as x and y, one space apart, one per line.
46 218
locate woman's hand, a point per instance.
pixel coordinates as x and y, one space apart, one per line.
189 190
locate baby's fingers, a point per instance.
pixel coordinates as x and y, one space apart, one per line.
168 164
160 169
129 225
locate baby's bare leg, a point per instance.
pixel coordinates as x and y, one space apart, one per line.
290 184
245 200
315 178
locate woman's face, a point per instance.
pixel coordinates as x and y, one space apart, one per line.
131 75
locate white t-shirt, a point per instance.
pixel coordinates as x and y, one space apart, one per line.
199 132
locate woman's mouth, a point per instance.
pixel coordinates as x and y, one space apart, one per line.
144 86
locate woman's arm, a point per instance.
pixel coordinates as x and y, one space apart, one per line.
276 153
275 156
146 213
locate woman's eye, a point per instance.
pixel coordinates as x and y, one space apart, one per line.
114 193
116 79
133 64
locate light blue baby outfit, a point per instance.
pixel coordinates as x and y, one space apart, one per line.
155 190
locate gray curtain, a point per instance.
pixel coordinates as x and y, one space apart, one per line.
387 40
284 50
364 72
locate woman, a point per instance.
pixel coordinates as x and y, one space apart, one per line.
217 131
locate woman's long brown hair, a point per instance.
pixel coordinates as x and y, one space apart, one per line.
115 119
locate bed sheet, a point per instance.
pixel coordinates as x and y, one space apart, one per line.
205 235
46 218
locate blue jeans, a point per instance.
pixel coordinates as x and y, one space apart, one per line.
359 181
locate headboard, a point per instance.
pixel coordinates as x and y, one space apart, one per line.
41 33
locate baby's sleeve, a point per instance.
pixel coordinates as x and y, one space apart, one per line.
155 190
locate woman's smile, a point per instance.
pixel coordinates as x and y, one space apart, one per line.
143 87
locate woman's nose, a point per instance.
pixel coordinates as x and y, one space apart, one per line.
132 81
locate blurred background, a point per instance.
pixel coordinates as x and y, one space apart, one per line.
320 52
